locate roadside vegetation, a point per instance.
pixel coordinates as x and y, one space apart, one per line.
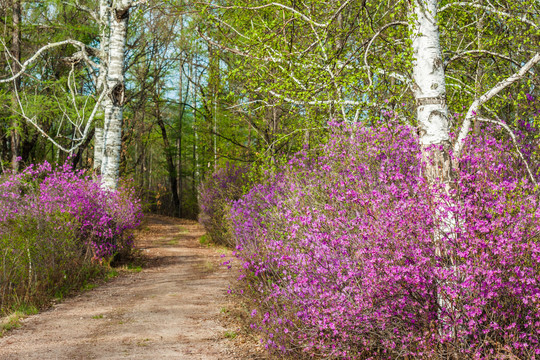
59 229
347 252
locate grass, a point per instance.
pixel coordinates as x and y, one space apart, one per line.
112 273
13 320
134 268
97 317
182 230
230 334
88 286
208 266
205 240
143 342
222 250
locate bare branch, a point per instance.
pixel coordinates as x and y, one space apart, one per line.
36 55
339 11
85 133
514 140
492 53
303 16
492 9
473 109
371 42
78 5
318 102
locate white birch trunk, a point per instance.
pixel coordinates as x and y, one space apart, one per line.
432 113
112 131
98 149
429 88
100 86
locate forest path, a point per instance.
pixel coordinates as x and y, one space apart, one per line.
169 310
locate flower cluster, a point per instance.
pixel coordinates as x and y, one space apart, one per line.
102 218
350 253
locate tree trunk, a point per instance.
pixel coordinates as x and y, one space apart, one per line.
179 139
16 53
214 82
98 149
101 85
179 174
430 90
170 161
80 151
112 130
195 174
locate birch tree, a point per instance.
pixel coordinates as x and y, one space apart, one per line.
349 58
429 88
16 53
106 66
114 20
111 143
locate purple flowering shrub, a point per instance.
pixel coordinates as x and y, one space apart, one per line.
216 194
351 254
39 257
59 221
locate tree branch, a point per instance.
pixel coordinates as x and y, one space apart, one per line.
318 102
371 42
514 140
464 53
85 133
489 8
93 14
473 109
288 8
34 57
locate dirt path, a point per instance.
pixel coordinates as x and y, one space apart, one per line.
167 311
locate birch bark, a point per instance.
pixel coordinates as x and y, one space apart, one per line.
98 148
16 53
429 89
100 86
113 108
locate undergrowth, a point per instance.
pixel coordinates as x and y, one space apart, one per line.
59 230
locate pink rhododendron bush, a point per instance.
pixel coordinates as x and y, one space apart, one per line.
216 194
351 254
56 225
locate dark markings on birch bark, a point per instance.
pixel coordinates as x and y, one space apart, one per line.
118 95
121 14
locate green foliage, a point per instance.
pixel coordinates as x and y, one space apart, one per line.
205 240
40 258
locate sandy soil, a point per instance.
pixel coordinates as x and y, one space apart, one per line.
170 310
